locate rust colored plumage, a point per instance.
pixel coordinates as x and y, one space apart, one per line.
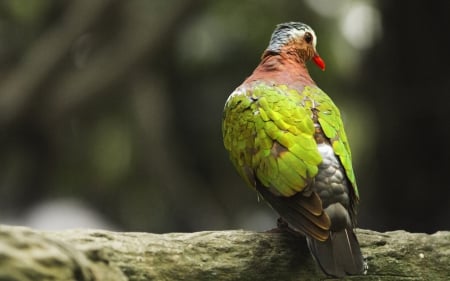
282 69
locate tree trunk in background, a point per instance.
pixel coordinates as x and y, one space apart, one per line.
406 79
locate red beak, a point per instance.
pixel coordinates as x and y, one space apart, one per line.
319 61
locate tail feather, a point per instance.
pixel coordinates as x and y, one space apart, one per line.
339 255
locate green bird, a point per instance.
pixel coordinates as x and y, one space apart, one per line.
286 138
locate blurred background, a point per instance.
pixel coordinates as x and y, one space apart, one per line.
110 111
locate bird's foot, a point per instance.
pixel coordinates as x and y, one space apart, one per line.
282 224
283 227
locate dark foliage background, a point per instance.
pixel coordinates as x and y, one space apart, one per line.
110 111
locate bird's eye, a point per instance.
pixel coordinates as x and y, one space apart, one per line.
308 37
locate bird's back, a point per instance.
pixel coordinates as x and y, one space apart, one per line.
286 138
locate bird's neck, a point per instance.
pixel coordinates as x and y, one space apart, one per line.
282 69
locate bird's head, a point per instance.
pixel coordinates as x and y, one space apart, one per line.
298 38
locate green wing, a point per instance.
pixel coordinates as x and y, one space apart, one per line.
269 133
270 136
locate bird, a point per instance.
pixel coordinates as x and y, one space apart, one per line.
286 138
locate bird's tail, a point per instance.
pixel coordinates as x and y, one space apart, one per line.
339 255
